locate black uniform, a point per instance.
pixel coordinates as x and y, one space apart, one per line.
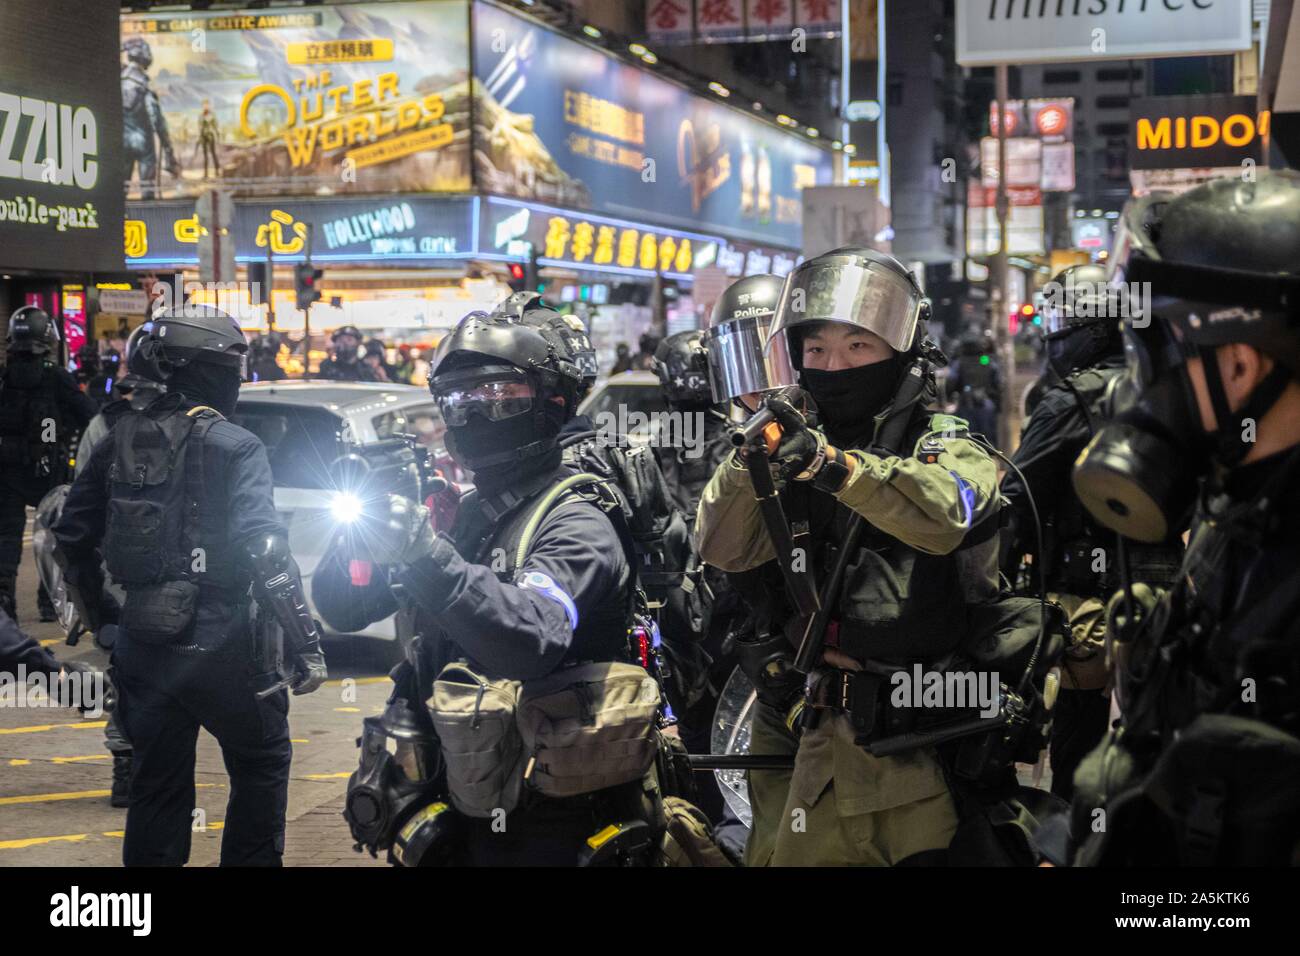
19 650
34 392
339 370
167 693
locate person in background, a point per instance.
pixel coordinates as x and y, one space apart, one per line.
344 365
622 359
264 366
644 361
375 360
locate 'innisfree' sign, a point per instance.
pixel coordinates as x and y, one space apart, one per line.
1050 31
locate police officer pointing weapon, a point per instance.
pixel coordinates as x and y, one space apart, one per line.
179 501
851 322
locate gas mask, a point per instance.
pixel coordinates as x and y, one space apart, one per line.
497 418
400 766
1140 473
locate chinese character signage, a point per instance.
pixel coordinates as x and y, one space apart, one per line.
359 98
669 21
60 136
596 243
562 123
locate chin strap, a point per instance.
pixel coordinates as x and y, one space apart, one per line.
1227 440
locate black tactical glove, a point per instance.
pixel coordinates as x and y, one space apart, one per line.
801 449
309 667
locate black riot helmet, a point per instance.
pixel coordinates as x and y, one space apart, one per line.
1214 266
346 352
738 331
138 372
682 365
504 389
31 331
1080 319
191 333
529 309
856 286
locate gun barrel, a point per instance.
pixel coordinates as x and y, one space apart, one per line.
741 761
752 430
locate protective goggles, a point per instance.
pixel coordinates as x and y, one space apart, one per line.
494 393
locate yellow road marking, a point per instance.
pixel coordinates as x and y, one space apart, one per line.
358 680
37 841
19 762
81 759
51 797
50 641
328 776
41 728
299 740
115 833
348 710
70 795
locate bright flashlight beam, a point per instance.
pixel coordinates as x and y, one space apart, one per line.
346 507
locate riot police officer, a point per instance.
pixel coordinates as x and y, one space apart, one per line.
180 501
133 391
505 388
345 364
975 382
40 410
1084 355
1205 768
853 323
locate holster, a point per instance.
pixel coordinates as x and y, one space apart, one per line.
268 650
162 613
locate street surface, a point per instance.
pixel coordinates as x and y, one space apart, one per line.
55 772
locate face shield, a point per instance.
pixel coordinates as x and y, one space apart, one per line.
870 296
738 361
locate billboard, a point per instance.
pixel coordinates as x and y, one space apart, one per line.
1019 31
563 123
1191 132
350 229
60 130
359 98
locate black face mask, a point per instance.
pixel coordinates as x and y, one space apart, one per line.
208 383
492 450
848 400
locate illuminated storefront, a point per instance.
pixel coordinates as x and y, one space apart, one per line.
415 181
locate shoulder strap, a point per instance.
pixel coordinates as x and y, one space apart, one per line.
543 507
203 418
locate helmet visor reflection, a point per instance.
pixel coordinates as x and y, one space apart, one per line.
870 297
493 400
738 363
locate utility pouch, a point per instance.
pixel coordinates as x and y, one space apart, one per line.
588 727
475 721
134 549
161 614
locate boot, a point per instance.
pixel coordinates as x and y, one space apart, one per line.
121 795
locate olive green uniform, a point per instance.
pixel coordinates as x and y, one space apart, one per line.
842 805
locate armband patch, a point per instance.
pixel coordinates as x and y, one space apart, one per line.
544 584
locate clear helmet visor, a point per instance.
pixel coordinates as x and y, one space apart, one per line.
738 362
870 297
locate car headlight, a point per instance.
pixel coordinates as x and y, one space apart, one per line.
345 507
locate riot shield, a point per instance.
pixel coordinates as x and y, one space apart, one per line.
732 722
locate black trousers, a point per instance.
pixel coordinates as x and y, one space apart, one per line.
18 489
164 697
1079 722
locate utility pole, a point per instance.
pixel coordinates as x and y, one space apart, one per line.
999 291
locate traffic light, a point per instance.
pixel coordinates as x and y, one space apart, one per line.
517 276
523 276
305 284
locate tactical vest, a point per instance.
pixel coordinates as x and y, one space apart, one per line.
28 402
602 632
163 523
1073 538
687 471
897 604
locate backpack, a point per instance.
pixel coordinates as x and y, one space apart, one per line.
28 402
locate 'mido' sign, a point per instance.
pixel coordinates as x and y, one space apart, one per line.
1196 132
